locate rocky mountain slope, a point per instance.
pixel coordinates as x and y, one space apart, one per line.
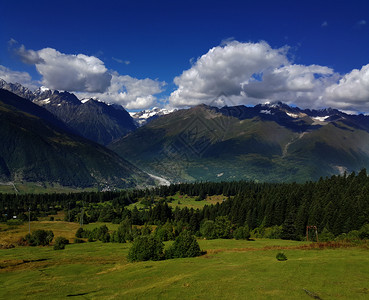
92 119
37 147
271 142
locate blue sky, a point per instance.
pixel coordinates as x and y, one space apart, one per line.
159 40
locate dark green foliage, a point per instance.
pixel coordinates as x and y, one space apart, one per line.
281 256
60 243
79 233
208 230
123 233
340 204
165 232
223 227
40 237
325 236
185 245
242 233
146 248
289 229
364 232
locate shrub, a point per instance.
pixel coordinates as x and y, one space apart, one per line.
273 232
242 233
146 248
14 222
207 230
223 227
39 237
79 233
60 243
123 233
364 232
326 235
281 256
105 238
185 245
165 232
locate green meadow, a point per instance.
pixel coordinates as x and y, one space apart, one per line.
182 201
231 269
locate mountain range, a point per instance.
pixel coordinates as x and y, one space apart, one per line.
92 119
268 142
38 147
271 142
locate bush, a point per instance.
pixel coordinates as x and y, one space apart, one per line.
146 248
60 243
185 245
242 233
281 256
165 232
14 222
207 230
326 235
273 232
79 233
364 232
39 237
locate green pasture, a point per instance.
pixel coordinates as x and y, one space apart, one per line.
231 269
182 201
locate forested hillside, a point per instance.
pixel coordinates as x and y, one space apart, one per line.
335 205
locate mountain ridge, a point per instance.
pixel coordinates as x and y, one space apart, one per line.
266 142
36 148
92 119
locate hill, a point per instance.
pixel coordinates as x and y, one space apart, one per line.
92 119
272 142
38 147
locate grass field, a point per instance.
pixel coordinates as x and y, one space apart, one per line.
231 269
183 201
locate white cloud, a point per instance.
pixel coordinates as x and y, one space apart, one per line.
252 73
88 77
297 84
222 71
130 92
23 78
75 73
324 24
351 92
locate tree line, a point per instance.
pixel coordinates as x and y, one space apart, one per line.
336 205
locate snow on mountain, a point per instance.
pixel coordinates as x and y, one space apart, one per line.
145 116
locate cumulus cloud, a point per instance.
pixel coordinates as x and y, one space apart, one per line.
223 70
297 84
351 92
23 78
130 92
250 73
75 73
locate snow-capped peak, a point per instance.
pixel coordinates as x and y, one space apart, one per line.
144 116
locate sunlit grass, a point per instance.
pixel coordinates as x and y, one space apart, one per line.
231 270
